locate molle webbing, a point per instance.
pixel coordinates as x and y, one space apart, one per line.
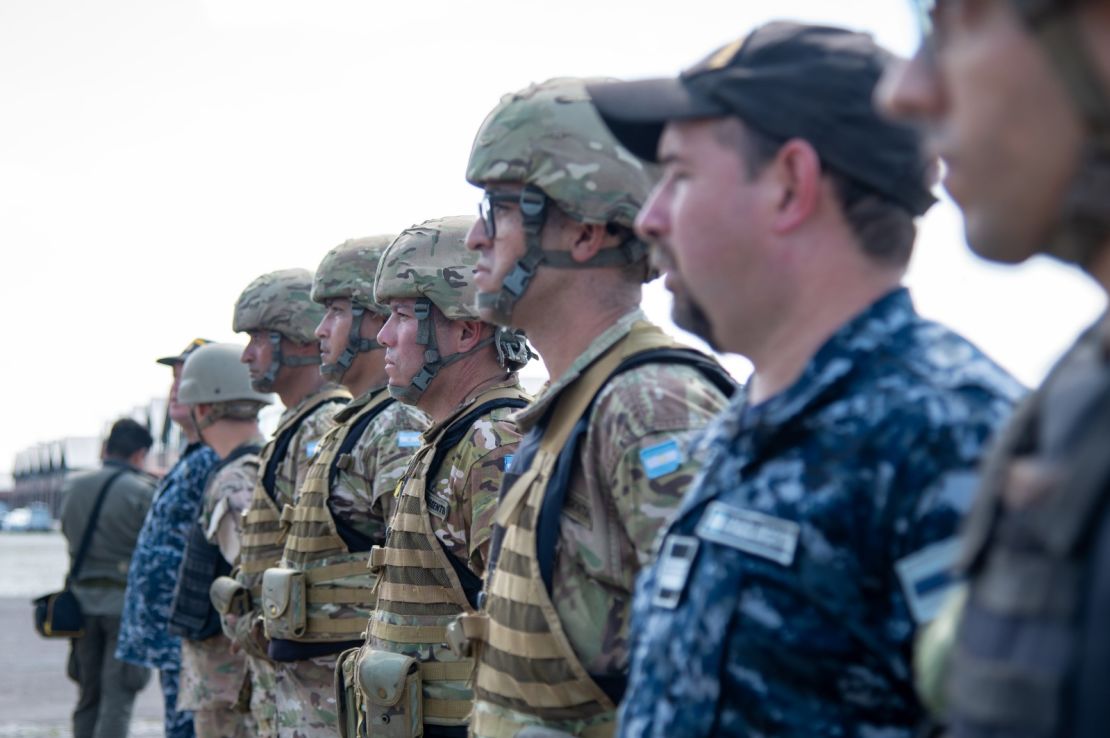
335 574
263 538
419 591
526 661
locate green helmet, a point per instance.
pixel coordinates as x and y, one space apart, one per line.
214 375
430 264
280 302
347 271
550 138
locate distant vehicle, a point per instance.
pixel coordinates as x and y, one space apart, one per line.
29 519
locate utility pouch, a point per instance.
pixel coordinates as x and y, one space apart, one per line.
283 603
347 697
391 691
229 596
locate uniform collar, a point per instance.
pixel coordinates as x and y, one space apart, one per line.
531 415
356 405
435 429
310 399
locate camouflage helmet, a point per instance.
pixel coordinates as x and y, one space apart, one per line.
347 271
280 301
430 264
431 261
550 136
213 375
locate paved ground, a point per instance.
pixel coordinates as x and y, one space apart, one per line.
35 695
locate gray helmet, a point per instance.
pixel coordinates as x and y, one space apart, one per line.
214 375
430 263
551 138
280 302
347 271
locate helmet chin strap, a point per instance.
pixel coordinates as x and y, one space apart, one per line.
433 360
265 383
356 345
1083 226
533 211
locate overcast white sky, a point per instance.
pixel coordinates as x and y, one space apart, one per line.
155 156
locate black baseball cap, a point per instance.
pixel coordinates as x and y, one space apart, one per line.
180 358
787 80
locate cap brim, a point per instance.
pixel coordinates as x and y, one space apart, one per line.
636 112
170 360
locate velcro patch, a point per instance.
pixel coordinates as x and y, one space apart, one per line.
310 448
673 570
437 505
749 531
927 577
507 462
408 439
661 459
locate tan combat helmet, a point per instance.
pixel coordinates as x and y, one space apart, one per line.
280 302
214 375
551 138
430 263
347 271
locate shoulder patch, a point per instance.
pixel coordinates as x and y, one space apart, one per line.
506 462
408 439
310 448
662 458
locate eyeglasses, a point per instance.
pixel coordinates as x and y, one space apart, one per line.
531 201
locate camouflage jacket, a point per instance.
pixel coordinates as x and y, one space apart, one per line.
817 535
462 499
361 496
615 503
210 674
143 635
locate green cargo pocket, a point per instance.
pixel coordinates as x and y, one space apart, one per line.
283 603
390 685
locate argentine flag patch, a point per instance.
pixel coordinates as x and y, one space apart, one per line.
661 459
408 439
310 448
507 462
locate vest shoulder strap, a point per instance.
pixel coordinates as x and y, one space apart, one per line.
356 432
281 443
451 437
239 452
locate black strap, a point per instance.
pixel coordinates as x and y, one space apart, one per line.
356 540
90 527
555 496
240 451
281 446
471 582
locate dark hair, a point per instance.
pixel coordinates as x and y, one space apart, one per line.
127 437
885 229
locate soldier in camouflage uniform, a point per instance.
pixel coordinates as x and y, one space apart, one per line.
461 371
607 456
277 312
819 534
152 577
345 501
224 409
1016 97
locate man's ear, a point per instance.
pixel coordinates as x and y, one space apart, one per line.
796 172
586 239
468 333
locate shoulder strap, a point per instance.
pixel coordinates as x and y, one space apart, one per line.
555 496
471 582
355 433
90 527
240 451
281 444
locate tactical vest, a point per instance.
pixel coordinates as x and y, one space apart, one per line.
330 562
1014 670
263 538
420 591
192 615
526 662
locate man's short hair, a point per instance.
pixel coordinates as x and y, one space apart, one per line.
127 437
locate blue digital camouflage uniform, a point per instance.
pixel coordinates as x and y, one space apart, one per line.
143 635
814 514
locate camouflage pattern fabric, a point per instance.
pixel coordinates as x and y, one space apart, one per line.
430 260
305 699
794 617
263 702
362 496
144 638
212 677
550 135
347 271
279 301
293 469
224 722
